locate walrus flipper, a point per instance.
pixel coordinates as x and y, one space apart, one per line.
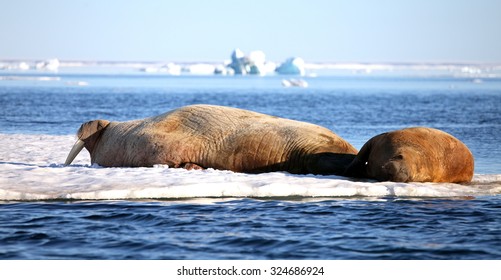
190 166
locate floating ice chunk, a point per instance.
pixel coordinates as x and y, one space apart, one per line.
256 60
48 65
292 66
200 69
170 68
23 66
32 169
257 57
30 78
258 64
77 83
149 69
294 83
471 70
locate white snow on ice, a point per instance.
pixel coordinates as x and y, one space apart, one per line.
31 168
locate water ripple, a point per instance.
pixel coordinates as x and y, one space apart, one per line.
253 229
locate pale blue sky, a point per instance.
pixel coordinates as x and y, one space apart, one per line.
189 30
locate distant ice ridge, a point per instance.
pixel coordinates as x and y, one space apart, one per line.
45 65
31 169
255 63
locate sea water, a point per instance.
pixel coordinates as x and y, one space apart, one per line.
83 211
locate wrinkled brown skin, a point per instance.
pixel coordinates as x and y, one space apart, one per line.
415 154
207 136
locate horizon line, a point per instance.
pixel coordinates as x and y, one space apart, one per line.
330 62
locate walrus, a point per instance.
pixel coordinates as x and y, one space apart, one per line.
416 154
208 136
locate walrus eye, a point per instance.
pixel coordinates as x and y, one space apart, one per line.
399 157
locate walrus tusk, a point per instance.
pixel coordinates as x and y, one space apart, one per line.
77 147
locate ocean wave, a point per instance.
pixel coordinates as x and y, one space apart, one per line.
31 169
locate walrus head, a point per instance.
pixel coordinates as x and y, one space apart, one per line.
88 134
395 170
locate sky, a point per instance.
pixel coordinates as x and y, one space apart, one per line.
419 31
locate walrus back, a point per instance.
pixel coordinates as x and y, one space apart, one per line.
246 141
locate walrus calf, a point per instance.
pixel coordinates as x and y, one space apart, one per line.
207 136
415 154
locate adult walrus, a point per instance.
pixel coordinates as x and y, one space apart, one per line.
207 136
416 154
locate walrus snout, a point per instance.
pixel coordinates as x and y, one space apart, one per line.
395 170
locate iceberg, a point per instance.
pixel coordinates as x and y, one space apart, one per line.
292 66
24 66
254 64
48 65
238 62
171 68
257 60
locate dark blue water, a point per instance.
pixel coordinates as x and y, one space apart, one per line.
356 108
253 229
